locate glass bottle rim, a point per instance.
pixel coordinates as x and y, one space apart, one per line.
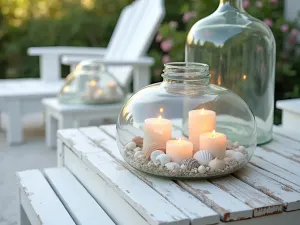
186 71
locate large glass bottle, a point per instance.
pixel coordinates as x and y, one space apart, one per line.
240 50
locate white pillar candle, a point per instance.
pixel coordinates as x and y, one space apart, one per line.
200 121
213 142
157 131
179 150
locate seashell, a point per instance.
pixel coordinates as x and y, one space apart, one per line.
137 149
163 159
217 164
238 156
138 141
190 163
203 157
154 154
139 155
183 167
153 148
201 169
172 166
241 149
130 146
230 153
207 168
236 145
229 144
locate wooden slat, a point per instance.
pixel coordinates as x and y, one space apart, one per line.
276 172
278 160
189 205
74 196
285 133
281 149
39 201
234 212
138 194
262 204
286 141
282 193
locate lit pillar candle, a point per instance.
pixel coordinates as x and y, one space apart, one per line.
213 142
200 121
157 131
92 88
179 150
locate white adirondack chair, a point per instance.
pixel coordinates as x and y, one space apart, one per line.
131 39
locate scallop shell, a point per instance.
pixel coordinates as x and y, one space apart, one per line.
202 169
238 156
217 164
138 141
154 155
131 145
163 159
203 157
153 148
190 163
229 144
172 166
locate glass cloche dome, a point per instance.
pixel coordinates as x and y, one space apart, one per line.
90 83
186 127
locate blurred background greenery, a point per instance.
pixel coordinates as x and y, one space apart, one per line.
27 23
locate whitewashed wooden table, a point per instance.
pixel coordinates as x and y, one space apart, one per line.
266 192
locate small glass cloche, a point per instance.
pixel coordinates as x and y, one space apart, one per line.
90 83
186 127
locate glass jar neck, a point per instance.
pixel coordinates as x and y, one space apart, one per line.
231 5
186 73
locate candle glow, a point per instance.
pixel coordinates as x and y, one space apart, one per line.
93 83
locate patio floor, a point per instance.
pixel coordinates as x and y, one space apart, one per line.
30 155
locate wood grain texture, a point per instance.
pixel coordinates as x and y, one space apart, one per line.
79 203
282 193
39 201
197 212
285 133
262 204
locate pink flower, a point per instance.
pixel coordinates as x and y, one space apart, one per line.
274 1
158 38
259 4
188 15
284 28
166 59
269 22
173 25
245 4
166 45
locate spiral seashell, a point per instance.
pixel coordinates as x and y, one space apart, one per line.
203 157
138 141
153 148
172 166
154 155
217 164
163 159
190 163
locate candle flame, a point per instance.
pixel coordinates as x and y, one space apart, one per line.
99 91
112 84
179 140
213 134
219 80
161 110
245 77
202 111
66 89
159 117
93 83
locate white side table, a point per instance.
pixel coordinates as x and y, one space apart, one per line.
62 116
20 97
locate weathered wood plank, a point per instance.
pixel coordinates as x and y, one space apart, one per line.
138 194
74 196
285 133
278 160
286 141
282 193
276 173
39 201
227 206
281 149
262 204
183 200
115 206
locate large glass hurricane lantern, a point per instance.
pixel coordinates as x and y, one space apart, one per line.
90 83
240 51
186 127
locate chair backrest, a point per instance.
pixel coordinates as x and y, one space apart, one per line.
133 35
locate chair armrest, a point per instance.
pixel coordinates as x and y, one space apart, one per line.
58 50
142 61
